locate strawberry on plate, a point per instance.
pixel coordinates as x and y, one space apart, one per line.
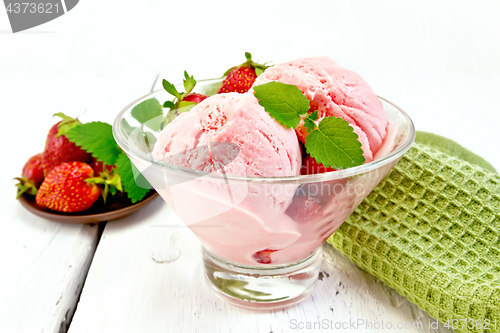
241 78
58 149
65 188
100 167
32 176
106 176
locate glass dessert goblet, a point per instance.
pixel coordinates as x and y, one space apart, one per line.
261 237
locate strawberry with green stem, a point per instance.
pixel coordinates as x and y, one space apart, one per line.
58 149
241 78
68 188
107 177
182 102
31 177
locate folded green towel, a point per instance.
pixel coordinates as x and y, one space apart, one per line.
431 230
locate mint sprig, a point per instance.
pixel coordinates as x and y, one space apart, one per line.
332 143
284 102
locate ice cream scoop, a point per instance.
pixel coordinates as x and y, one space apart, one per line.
334 91
231 133
260 145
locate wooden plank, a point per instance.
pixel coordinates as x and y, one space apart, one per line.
45 266
147 276
44 263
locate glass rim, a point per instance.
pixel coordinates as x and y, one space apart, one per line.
299 179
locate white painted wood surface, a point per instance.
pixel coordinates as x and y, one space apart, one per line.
147 276
44 263
44 267
439 61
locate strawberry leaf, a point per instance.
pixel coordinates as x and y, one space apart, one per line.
169 104
284 102
189 82
133 182
170 88
183 104
66 124
334 144
96 138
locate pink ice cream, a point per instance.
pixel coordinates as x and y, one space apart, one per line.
261 146
255 222
233 219
335 91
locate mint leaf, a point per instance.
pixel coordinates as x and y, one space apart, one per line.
96 138
170 88
134 186
147 110
309 125
189 82
313 116
284 102
334 144
309 121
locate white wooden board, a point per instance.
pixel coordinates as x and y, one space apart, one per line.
44 263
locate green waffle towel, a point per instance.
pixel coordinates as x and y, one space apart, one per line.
431 231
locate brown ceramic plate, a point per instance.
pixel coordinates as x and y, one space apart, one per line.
116 207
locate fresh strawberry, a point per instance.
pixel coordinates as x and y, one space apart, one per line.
66 189
98 166
182 102
310 167
241 78
58 149
194 97
31 177
304 209
264 256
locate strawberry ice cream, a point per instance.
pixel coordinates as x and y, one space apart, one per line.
261 146
334 91
253 222
232 133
